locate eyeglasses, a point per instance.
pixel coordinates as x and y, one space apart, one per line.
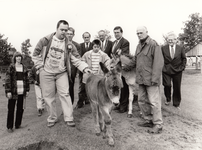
86 37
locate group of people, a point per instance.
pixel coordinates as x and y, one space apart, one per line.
56 60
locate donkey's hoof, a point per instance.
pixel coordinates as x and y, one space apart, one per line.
129 115
111 142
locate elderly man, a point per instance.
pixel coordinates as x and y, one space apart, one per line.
52 55
174 64
85 46
106 45
148 61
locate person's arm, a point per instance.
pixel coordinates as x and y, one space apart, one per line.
184 59
8 82
125 48
158 63
27 82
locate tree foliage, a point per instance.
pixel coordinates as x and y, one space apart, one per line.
27 60
108 36
5 48
192 32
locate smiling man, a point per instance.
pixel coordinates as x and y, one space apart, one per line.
121 44
52 57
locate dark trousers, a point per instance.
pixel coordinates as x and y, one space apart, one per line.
11 110
176 81
82 91
71 84
124 101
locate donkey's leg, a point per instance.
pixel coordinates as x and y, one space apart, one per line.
101 122
108 120
95 110
130 107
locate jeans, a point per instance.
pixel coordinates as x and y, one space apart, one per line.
50 84
40 104
149 100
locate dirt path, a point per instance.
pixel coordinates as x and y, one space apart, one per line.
182 129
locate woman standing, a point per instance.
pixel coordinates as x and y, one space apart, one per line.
16 88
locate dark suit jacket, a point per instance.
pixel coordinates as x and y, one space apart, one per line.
124 45
83 48
108 47
175 65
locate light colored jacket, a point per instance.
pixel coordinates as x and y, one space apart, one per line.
42 48
87 58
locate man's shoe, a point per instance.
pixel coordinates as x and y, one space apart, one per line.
116 108
40 112
51 124
17 127
145 123
167 103
121 110
156 129
70 123
10 130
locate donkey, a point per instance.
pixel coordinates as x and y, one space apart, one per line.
103 92
130 77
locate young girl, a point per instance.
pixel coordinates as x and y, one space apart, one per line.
16 88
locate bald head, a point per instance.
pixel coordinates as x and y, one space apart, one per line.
142 32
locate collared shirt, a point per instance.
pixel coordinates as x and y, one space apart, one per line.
87 45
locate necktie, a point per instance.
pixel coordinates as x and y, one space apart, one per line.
102 45
114 46
172 52
86 45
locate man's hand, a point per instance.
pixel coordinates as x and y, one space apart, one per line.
87 70
9 95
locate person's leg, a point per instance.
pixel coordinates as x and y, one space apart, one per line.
10 116
155 103
167 86
40 104
47 82
19 111
143 102
124 98
177 89
82 95
62 84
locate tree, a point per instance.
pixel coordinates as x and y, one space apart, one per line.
5 59
192 32
25 47
27 60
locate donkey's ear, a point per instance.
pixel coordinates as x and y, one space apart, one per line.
104 68
119 67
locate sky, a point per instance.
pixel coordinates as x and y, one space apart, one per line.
34 19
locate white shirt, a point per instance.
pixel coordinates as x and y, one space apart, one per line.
174 46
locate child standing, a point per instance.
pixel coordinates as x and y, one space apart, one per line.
92 58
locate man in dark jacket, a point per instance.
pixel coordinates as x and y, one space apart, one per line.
70 35
121 44
174 64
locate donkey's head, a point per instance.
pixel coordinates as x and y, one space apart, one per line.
113 81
